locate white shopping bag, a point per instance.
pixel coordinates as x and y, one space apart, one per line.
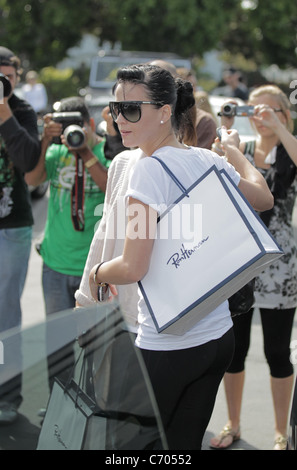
189 278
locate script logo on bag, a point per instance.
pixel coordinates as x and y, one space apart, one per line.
57 434
177 258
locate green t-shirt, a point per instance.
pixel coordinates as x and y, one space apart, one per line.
64 249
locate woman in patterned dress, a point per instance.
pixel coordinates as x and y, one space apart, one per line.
274 154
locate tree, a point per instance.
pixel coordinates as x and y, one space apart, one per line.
41 31
188 28
265 31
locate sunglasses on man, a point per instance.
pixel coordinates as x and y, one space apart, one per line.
130 110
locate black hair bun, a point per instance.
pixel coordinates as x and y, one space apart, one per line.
185 95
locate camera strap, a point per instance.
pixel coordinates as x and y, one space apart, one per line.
78 195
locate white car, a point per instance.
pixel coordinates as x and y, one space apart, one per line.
241 124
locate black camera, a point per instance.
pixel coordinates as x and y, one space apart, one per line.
231 110
72 124
5 86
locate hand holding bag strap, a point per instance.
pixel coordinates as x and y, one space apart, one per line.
172 175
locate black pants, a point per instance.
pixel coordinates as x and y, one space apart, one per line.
185 383
277 329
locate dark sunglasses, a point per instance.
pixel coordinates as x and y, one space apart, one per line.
130 110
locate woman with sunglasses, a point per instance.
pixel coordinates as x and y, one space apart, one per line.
186 370
274 154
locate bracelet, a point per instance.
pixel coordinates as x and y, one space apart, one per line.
91 162
100 284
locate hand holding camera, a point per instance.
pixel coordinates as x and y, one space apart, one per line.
5 87
229 138
226 138
5 93
269 117
72 133
68 130
51 129
64 128
232 110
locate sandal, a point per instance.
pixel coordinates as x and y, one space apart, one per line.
280 443
227 432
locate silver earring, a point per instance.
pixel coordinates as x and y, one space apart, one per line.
162 122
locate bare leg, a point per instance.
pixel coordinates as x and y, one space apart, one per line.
281 394
234 390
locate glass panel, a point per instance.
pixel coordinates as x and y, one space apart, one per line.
114 382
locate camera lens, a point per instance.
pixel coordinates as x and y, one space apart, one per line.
229 110
74 136
5 86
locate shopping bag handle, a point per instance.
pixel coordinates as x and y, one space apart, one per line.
172 175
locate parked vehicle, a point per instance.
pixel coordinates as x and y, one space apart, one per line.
103 75
103 72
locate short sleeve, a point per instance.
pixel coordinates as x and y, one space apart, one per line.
147 184
222 164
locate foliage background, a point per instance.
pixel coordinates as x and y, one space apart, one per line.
251 32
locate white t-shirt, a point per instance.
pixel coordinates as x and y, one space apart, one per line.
150 184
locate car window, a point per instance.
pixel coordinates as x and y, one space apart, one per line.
113 378
104 69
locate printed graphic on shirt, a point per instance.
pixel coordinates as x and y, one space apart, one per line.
7 178
63 180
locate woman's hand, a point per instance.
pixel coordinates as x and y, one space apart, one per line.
252 184
94 286
267 116
230 138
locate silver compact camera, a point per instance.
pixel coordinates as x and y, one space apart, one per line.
231 110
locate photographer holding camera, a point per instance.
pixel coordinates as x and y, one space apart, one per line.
19 153
274 154
77 170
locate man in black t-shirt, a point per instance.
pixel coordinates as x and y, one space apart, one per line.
19 153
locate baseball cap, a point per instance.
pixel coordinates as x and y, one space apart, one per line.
230 70
7 57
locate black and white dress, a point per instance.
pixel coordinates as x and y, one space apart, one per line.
276 287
